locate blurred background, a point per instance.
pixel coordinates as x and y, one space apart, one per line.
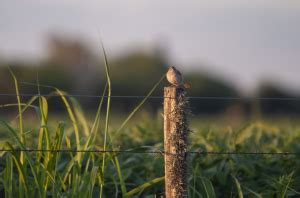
224 48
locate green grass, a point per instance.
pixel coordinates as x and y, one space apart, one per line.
89 174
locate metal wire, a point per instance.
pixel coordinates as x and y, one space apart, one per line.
151 152
243 153
152 97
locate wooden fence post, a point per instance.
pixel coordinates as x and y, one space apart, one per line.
175 141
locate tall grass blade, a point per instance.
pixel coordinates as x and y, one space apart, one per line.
140 105
29 104
207 188
107 112
21 129
96 122
22 175
238 187
8 177
143 186
253 193
80 116
73 120
19 108
43 140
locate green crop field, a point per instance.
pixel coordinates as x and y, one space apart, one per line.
45 172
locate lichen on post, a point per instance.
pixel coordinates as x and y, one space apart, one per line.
175 141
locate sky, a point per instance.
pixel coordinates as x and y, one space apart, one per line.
243 42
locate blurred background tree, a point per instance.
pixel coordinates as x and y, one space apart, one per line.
206 86
268 90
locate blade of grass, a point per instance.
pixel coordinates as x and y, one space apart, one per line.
43 133
287 185
238 187
207 188
67 170
21 129
21 172
122 182
253 193
107 113
20 111
56 187
96 120
43 141
80 116
73 120
58 139
88 182
8 177
144 186
139 105
22 104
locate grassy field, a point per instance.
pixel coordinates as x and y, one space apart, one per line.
95 174
77 174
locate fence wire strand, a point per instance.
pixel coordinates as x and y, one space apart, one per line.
161 152
151 97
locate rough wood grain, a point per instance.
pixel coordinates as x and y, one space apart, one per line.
175 141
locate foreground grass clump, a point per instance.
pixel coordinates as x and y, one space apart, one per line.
66 160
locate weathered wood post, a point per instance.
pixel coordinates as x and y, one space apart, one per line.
175 141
